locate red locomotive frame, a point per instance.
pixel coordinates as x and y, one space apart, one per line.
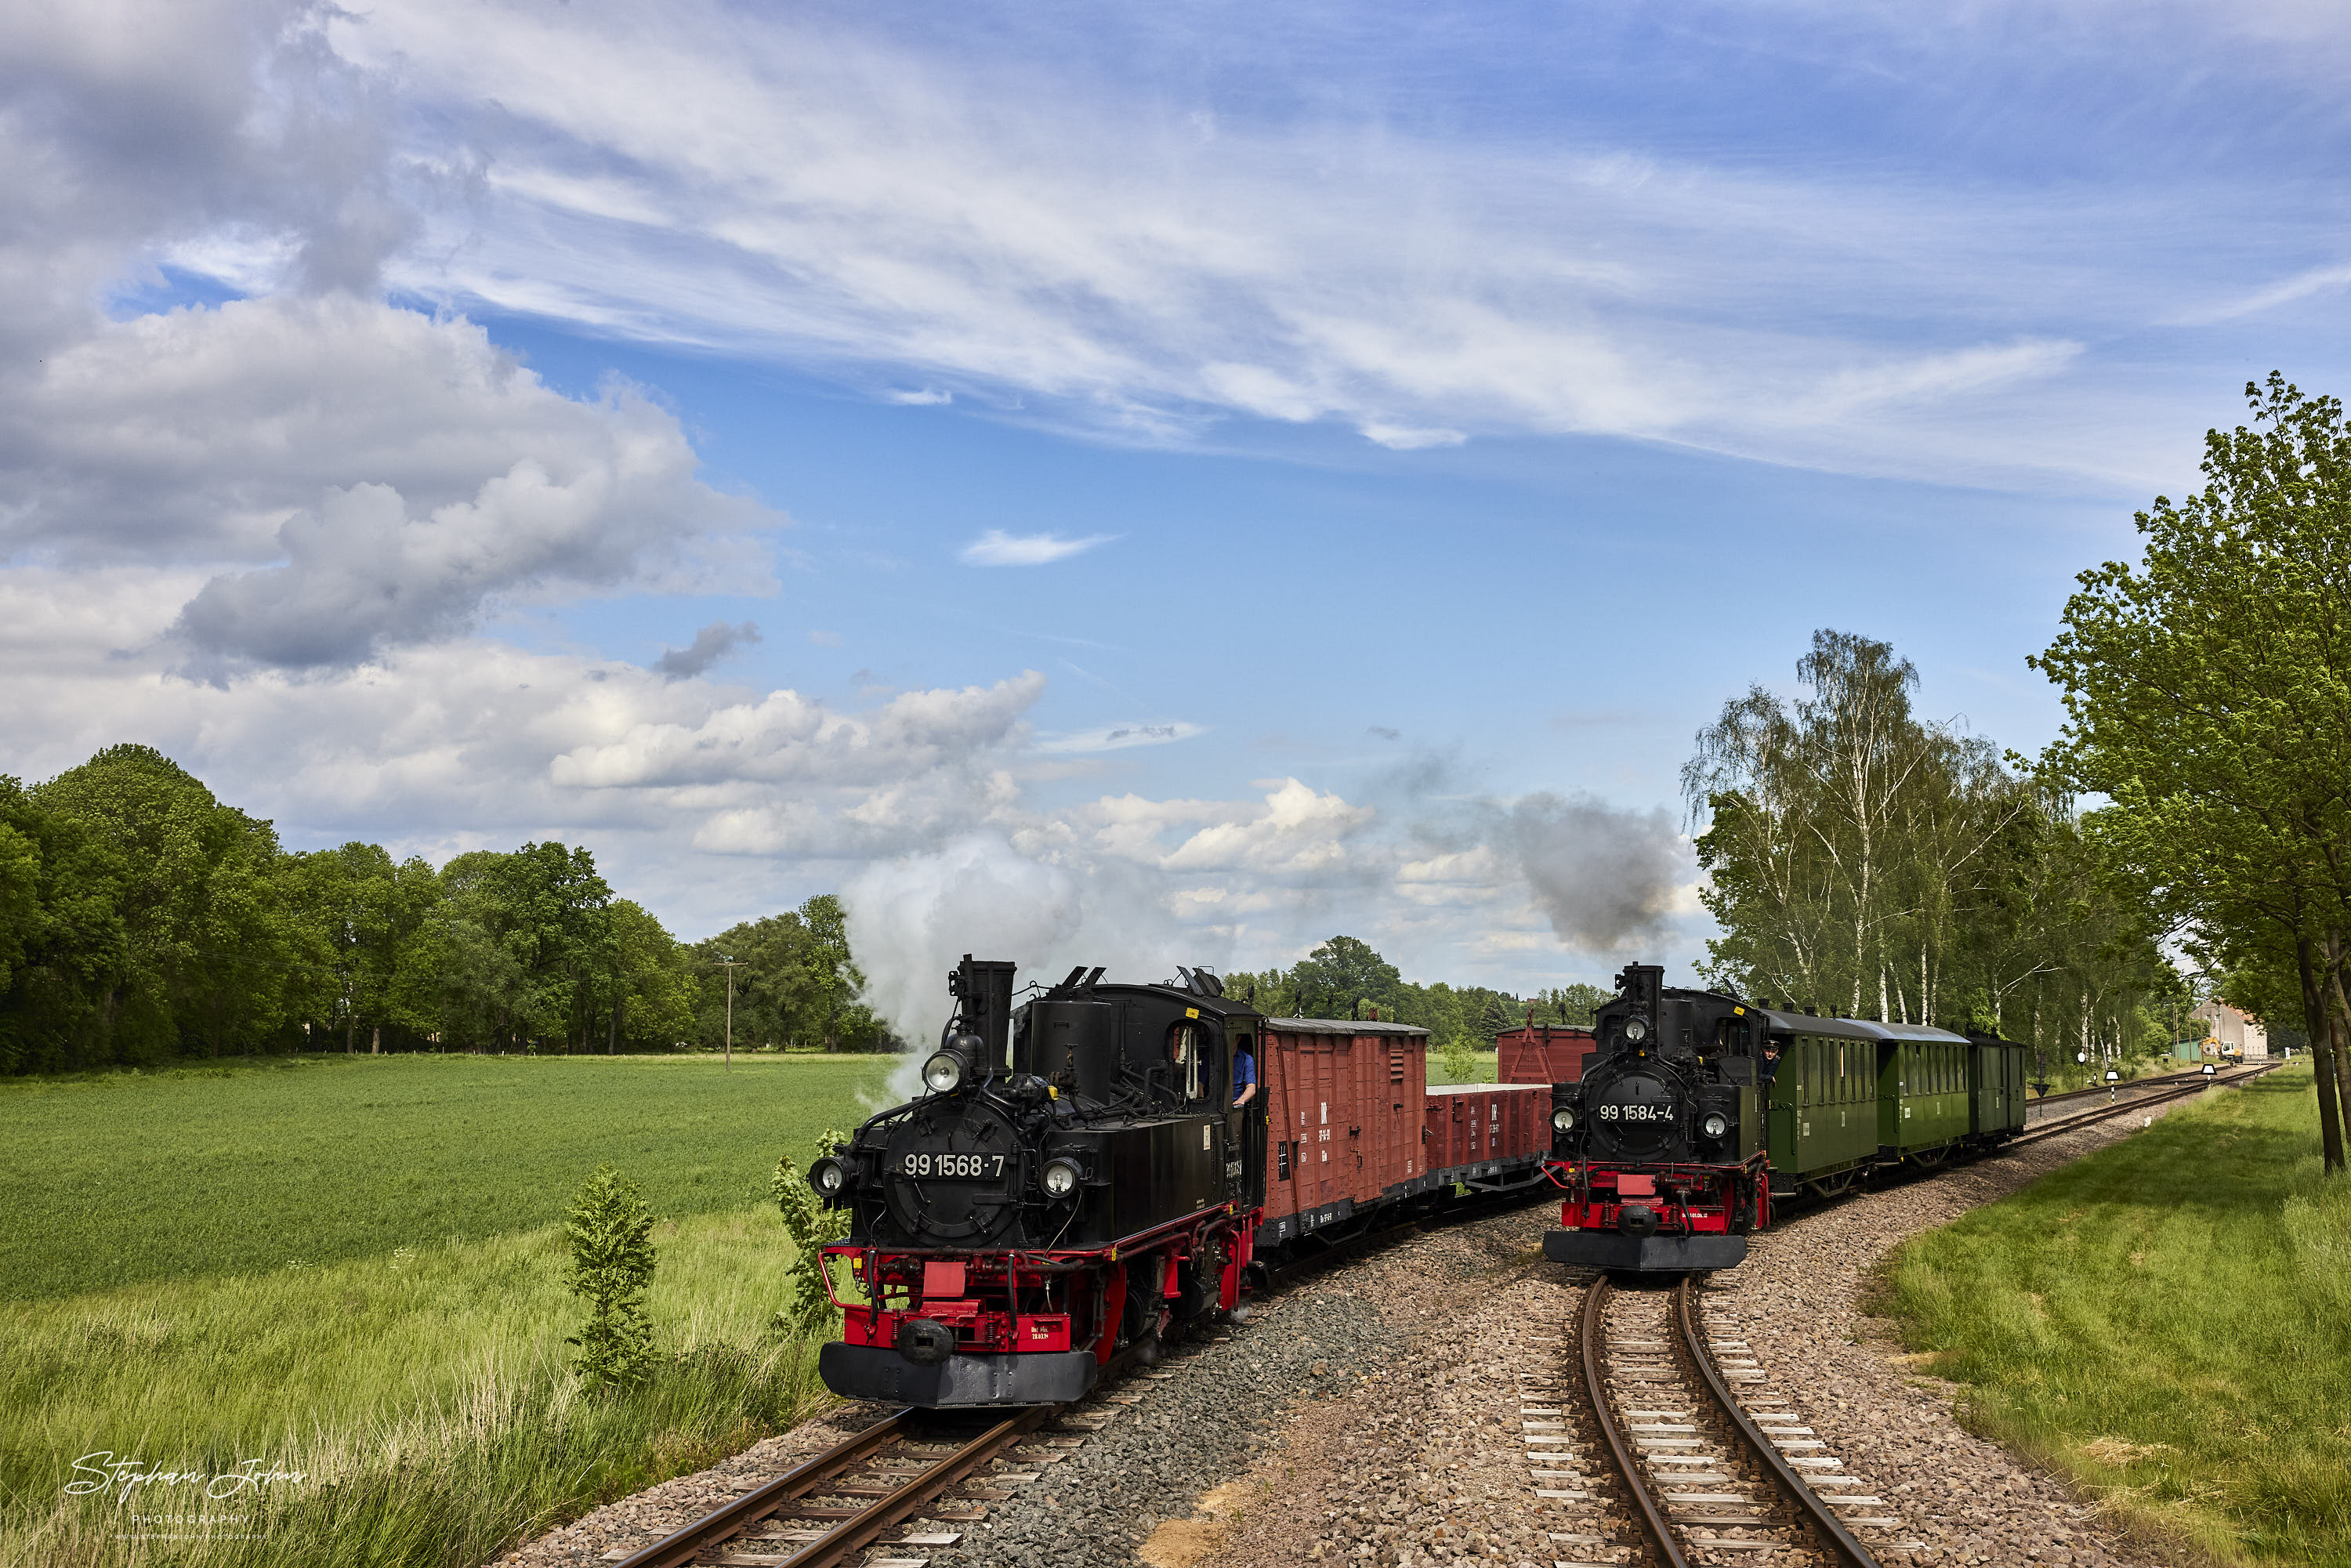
1686 1198
999 1303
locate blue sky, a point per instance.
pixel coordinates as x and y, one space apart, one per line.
1132 484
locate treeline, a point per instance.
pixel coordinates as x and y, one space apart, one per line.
141 920
1344 977
2208 695
1865 862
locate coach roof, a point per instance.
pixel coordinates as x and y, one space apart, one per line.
1857 1029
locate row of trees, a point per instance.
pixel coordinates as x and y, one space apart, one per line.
1866 861
2207 690
141 920
1344 977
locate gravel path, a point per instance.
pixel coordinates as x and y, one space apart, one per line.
1370 1415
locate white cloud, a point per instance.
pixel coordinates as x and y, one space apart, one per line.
1301 830
928 397
360 477
786 737
1036 234
996 547
1404 438
2286 291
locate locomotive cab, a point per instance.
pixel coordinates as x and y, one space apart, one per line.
1073 1181
1660 1144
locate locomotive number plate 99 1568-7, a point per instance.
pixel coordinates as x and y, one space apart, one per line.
973 1167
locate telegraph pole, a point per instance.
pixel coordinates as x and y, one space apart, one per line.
730 965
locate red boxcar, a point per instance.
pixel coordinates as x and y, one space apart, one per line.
1342 1120
1542 1053
1354 1131
1487 1134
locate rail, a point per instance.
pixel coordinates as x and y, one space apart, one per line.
2126 1107
1825 1524
831 1535
1645 1503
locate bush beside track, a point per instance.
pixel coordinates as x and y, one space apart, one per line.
2168 1321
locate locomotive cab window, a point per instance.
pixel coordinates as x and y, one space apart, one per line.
1186 1045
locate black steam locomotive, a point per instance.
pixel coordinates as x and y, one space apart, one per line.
1072 1183
1696 1109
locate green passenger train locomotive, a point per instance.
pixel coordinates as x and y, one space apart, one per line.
1697 1110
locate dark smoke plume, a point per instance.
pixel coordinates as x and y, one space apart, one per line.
1606 876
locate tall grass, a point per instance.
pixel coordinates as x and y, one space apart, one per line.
352 1271
422 1396
2169 1322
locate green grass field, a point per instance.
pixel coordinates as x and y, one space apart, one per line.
1481 1064
2168 1322
353 1269
123 1178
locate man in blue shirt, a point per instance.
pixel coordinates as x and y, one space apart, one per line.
1244 1078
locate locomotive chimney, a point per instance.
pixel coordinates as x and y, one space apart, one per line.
985 986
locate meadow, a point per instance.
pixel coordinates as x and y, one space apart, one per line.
352 1270
2167 1323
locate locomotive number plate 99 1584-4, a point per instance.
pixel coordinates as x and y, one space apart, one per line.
1636 1113
975 1167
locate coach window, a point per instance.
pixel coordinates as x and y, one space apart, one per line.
1185 1042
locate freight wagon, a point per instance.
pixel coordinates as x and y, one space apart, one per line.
1356 1135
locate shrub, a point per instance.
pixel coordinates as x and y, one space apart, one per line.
813 1227
611 1233
1459 1056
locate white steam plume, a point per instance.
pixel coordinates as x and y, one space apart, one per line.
910 920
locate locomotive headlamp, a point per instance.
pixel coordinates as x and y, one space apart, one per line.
1715 1125
1563 1120
1636 1030
1060 1177
829 1176
943 1073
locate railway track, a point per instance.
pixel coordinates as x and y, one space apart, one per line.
870 1492
1715 1466
2196 1084
932 1467
2156 1081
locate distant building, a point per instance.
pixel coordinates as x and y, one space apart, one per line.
2226 1027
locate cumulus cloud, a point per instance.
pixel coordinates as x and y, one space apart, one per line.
1299 830
361 477
786 737
710 645
996 547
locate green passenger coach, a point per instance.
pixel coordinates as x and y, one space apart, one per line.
1849 1095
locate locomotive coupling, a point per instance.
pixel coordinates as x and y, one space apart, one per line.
924 1342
